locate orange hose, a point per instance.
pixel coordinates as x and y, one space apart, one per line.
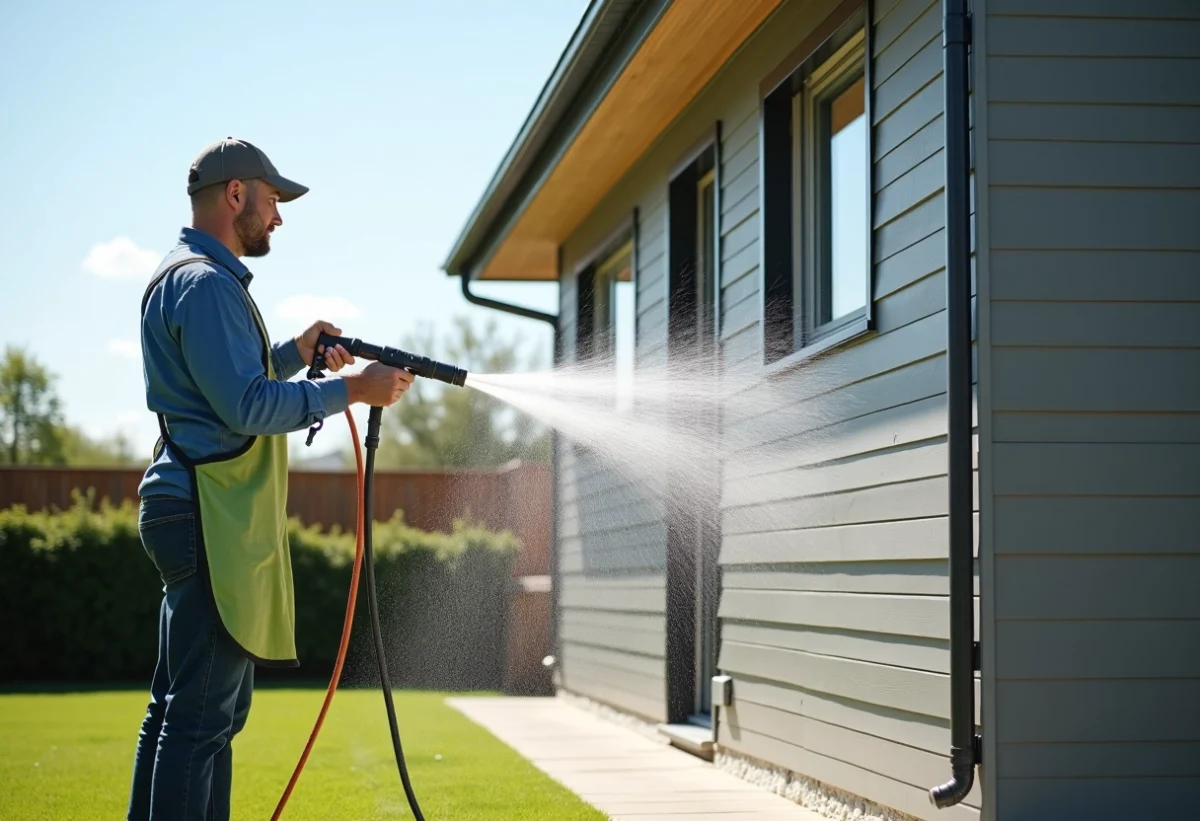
346 625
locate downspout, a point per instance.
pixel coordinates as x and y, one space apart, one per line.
964 744
529 313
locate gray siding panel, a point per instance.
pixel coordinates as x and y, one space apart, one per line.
1095 379
898 651
1034 37
1061 275
883 757
1116 219
1052 799
1095 525
1103 80
907 540
1052 712
1154 759
1032 649
1101 587
1155 428
852 778
1077 164
912 691
1093 429
1160 9
1102 123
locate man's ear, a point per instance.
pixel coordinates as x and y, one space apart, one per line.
235 192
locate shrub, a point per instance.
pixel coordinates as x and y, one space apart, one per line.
79 600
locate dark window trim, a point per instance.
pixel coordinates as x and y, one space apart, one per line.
800 55
709 138
614 239
585 312
845 334
777 263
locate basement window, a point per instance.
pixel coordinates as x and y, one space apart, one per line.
817 196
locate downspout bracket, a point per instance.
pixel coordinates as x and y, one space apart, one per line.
958 29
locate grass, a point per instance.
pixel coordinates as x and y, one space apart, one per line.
70 755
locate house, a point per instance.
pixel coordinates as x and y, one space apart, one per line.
978 277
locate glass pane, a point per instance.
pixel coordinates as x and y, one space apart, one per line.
847 204
623 304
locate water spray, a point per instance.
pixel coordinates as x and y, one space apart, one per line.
418 366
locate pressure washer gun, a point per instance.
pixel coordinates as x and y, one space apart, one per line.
393 357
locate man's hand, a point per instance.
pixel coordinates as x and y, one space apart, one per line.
378 385
336 358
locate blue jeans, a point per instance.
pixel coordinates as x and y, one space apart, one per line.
200 693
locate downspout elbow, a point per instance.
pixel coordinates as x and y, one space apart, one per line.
464 278
962 779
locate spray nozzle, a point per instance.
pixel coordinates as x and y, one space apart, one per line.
394 357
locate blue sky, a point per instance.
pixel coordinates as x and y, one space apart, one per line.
395 114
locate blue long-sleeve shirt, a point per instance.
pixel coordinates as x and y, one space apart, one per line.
202 359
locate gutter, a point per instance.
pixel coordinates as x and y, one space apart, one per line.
965 746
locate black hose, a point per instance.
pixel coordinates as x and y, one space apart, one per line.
372 441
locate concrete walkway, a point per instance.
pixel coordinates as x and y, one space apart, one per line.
619 771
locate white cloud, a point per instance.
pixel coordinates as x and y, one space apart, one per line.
120 258
126 348
308 308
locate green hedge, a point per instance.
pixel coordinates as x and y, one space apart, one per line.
79 600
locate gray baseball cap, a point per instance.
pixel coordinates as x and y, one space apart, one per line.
232 159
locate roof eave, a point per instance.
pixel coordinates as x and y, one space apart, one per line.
547 129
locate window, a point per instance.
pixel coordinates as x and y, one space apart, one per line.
816 223
691 255
605 315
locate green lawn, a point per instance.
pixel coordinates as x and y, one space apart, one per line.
69 756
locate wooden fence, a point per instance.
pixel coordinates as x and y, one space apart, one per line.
515 497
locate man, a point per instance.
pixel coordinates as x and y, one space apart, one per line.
213 513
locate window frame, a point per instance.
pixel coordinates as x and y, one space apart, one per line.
792 251
599 343
810 187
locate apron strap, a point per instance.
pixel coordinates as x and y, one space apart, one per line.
164 435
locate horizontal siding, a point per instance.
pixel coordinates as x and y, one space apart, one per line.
1085 9
1044 799
872 756
834 616
1094 426
611 535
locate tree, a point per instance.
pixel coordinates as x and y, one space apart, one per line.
438 425
32 431
115 451
30 412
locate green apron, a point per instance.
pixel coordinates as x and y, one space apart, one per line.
241 529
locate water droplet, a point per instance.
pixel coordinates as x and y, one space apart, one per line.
437 757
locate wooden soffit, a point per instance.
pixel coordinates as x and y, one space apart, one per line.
690 44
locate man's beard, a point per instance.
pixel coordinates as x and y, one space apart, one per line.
252 231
